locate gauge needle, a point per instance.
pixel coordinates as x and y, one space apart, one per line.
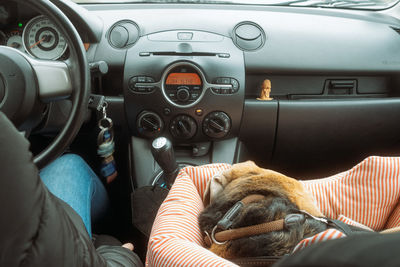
15 45
38 42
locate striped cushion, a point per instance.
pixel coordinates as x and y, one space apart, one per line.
367 195
175 239
323 236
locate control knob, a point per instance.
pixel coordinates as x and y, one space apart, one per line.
216 124
183 127
149 123
183 93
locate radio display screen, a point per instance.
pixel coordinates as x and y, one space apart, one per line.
183 79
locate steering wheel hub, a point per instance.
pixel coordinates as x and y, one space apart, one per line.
18 86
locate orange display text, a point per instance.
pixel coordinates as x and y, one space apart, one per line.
183 78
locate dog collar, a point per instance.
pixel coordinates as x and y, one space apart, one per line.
222 233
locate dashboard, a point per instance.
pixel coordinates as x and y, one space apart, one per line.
334 76
307 54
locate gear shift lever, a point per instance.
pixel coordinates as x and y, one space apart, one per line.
163 153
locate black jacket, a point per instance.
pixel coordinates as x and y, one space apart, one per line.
37 228
365 250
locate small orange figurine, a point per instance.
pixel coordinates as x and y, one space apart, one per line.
265 91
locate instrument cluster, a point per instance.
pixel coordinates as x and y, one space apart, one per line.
38 37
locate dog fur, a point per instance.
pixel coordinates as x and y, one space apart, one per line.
283 195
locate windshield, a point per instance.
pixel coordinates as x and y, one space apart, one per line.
352 4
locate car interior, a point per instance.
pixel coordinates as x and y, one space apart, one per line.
182 83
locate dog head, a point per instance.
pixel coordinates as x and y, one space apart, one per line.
282 196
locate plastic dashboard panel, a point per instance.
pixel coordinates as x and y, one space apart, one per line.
331 136
304 47
298 40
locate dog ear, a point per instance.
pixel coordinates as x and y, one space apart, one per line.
214 187
220 180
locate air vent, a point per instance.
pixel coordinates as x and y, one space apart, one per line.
123 34
248 36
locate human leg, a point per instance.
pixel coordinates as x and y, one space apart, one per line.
72 180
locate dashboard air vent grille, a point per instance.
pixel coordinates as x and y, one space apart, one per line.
248 36
123 34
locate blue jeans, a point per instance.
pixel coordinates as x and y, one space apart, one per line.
72 180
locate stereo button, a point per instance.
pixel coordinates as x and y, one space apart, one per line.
141 79
194 96
149 80
225 80
216 90
235 84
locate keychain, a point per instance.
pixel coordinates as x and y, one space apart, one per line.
106 146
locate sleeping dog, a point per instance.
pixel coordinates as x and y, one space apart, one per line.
276 196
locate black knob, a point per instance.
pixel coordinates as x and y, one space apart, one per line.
183 94
163 153
216 124
99 67
183 127
149 124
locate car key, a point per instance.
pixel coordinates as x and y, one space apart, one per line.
106 147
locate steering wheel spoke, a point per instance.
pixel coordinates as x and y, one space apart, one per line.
54 79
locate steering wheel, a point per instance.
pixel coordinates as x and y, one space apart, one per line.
27 84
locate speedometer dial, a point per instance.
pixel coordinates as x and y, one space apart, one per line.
14 39
43 40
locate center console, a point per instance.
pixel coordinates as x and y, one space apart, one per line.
187 86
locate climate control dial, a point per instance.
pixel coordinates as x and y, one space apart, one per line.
216 124
149 123
183 127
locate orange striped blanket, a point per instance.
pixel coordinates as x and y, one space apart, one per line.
366 195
